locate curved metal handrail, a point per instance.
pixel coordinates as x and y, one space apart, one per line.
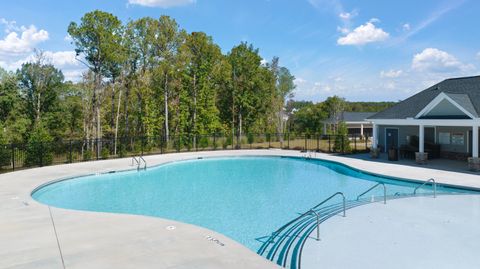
318 222
376 185
139 162
277 232
434 184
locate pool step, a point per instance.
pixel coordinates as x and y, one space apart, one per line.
285 248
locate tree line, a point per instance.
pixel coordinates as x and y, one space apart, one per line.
145 77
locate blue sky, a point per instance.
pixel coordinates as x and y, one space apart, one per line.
362 50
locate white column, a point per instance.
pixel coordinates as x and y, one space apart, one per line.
375 136
361 130
475 141
324 128
421 139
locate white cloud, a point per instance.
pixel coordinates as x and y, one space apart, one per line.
438 61
161 3
17 44
346 16
363 34
406 27
391 73
478 55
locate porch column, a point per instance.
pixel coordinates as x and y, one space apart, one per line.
475 141
361 130
421 139
324 128
375 136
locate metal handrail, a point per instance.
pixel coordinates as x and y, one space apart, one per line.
277 232
144 162
139 162
434 184
318 222
134 159
376 185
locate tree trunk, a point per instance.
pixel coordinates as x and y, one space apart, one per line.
127 98
112 119
116 122
194 111
166 107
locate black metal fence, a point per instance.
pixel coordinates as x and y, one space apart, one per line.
20 156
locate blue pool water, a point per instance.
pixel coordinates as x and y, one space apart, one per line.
244 198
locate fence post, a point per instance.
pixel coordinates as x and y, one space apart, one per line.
355 142
343 143
41 154
96 148
269 139
13 157
71 154
329 144
142 143
318 143
214 141
366 142
305 146
288 140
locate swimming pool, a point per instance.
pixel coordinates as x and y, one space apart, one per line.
245 198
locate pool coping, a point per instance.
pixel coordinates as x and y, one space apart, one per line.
240 256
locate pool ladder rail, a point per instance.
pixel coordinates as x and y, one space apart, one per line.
430 181
139 161
378 184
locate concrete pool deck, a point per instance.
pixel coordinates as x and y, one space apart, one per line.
420 232
101 240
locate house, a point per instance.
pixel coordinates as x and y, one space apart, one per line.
442 120
357 123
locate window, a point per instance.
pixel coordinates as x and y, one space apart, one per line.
444 138
458 138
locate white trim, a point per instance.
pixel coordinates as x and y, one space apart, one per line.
385 135
428 122
442 96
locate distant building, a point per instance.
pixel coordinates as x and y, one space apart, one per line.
357 123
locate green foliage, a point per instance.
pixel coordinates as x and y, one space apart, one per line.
87 155
39 147
105 153
5 151
342 143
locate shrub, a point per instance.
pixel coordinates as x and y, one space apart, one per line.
105 153
250 138
5 151
87 155
39 148
203 143
342 143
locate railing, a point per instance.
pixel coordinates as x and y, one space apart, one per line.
434 185
370 189
139 161
35 154
309 212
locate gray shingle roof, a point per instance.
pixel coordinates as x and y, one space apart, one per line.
465 91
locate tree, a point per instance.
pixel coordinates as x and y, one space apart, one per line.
202 59
335 106
39 84
96 39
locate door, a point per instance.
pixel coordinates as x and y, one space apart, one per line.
391 138
430 135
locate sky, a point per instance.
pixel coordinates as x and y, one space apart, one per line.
372 50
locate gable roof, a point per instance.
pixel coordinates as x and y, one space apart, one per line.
464 91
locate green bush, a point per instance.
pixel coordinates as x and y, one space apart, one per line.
342 143
250 138
105 153
39 148
203 143
5 151
87 155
